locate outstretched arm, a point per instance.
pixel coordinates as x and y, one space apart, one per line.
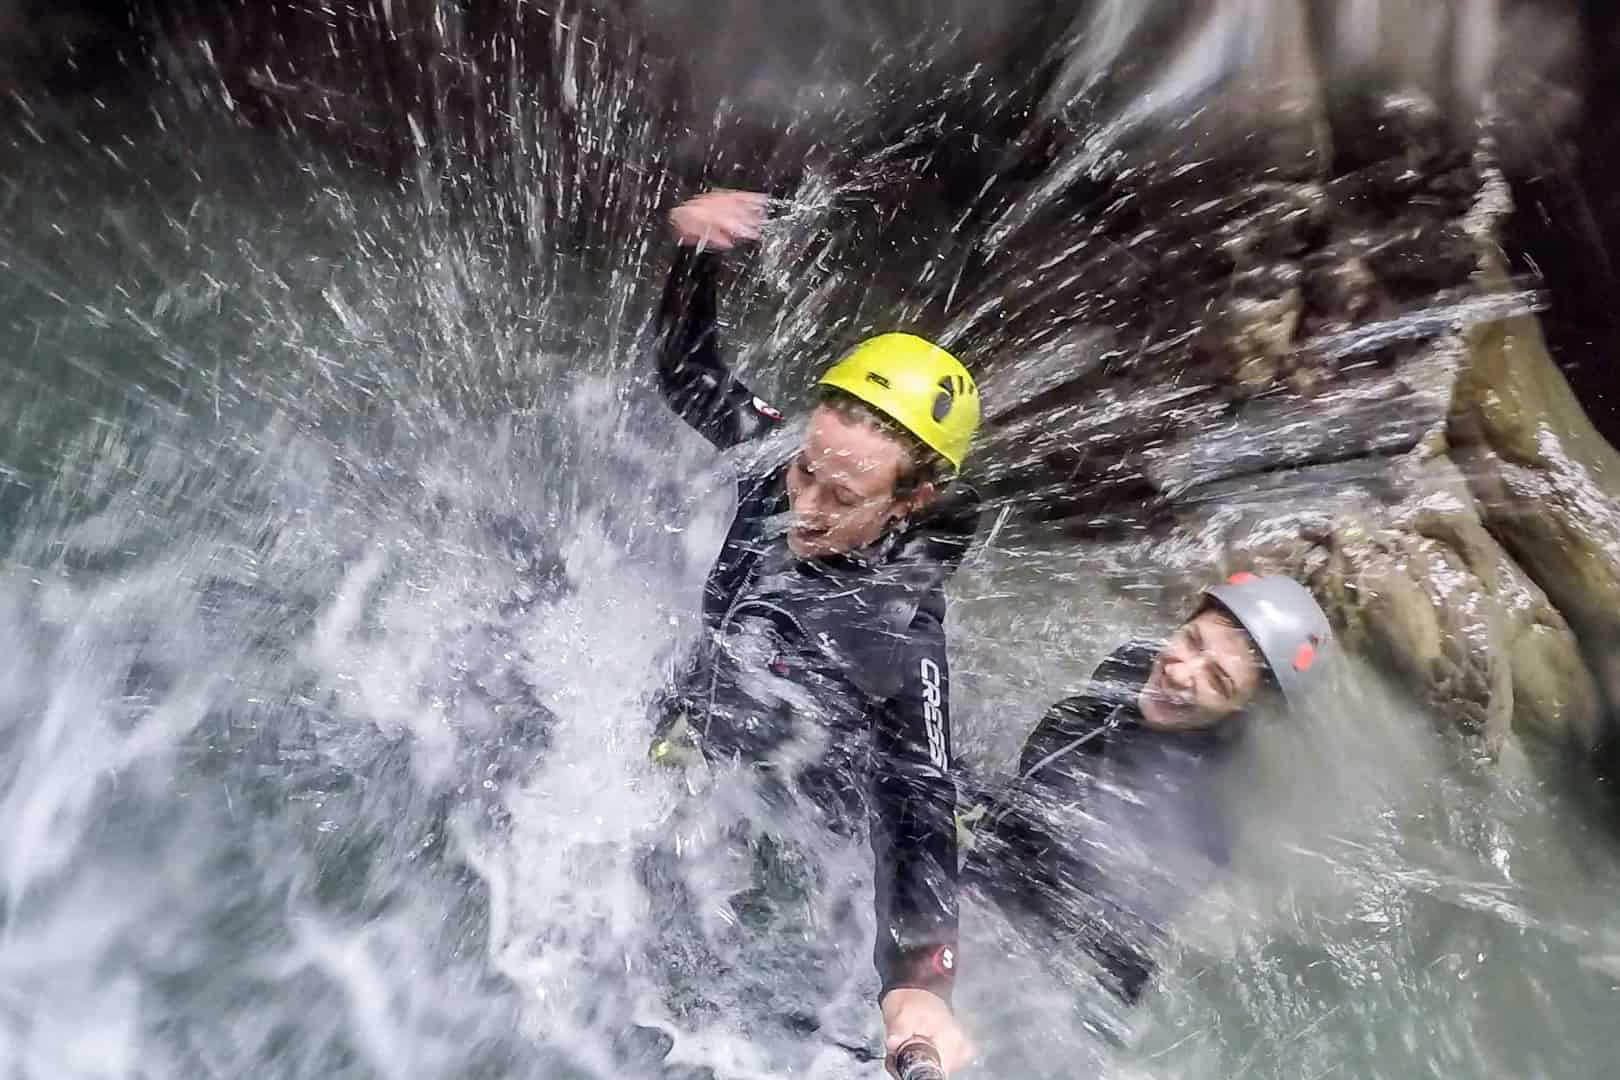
914 844
692 373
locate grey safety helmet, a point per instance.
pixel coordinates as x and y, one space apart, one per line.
1285 623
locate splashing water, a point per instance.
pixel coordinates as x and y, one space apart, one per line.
343 548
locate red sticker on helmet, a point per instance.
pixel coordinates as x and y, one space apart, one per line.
1304 656
1242 577
765 408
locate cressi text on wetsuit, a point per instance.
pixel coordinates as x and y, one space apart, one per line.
1108 828
835 666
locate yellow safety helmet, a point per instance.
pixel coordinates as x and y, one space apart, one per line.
916 384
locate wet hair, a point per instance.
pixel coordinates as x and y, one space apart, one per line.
922 465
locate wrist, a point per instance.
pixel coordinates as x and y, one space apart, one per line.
895 995
930 968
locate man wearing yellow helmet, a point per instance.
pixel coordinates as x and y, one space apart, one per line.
836 559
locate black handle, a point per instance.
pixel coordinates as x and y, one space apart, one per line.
918 1060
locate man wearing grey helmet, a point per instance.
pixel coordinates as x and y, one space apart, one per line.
1114 819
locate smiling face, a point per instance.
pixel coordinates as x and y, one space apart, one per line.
1207 671
841 485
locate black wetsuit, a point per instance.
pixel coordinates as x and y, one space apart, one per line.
1109 827
828 675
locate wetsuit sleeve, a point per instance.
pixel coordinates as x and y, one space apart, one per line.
691 372
914 826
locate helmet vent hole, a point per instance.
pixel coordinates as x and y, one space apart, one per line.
942 405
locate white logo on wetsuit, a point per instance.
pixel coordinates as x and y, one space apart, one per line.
933 717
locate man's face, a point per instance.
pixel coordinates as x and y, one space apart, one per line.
1207 672
841 486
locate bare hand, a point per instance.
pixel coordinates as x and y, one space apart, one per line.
719 219
917 1014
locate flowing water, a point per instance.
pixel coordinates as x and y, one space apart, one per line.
341 548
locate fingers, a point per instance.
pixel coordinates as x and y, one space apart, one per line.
704 235
918 1015
755 202
954 1050
711 232
892 1042
720 219
958 1054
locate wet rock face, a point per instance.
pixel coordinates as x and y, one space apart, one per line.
1288 316
1334 379
1420 586
1545 482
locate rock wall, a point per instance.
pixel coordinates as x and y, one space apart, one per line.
1323 369
1545 484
